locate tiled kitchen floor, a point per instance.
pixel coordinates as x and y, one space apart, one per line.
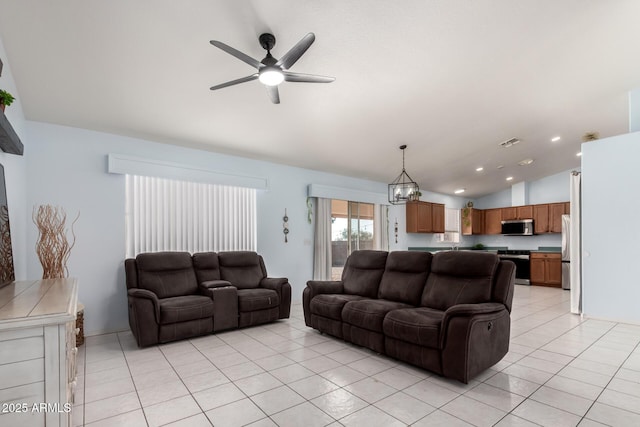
560 371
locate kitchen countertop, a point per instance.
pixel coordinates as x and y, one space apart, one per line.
434 249
548 249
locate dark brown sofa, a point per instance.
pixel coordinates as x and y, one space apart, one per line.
448 313
174 295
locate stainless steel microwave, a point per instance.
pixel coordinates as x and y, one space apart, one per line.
518 227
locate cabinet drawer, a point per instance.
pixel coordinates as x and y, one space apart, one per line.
21 349
545 255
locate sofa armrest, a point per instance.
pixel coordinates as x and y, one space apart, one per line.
467 311
144 315
207 288
209 284
143 293
273 282
282 286
472 309
472 338
317 287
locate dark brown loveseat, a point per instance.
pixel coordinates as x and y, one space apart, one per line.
448 313
173 295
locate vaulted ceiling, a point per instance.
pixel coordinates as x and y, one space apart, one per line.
450 78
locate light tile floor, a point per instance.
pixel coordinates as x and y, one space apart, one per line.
561 370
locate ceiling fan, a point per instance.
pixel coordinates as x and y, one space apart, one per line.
271 71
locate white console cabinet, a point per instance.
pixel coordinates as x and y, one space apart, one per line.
37 352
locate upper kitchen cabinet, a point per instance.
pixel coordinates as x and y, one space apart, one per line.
517 212
556 210
472 221
547 218
437 216
425 217
540 219
493 221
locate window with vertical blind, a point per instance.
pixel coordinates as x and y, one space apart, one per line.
451 226
170 215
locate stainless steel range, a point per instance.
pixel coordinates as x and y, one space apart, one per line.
521 259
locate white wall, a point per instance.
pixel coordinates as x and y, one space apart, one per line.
15 170
498 199
634 110
68 167
553 188
610 236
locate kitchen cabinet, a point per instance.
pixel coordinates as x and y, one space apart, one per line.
546 269
556 210
437 216
509 213
547 218
524 212
472 221
424 217
540 219
517 212
492 221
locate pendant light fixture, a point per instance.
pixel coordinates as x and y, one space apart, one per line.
403 188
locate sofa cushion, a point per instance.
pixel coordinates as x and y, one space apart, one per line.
414 325
369 313
404 277
257 299
362 273
167 274
207 266
459 278
183 308
243 269
331 305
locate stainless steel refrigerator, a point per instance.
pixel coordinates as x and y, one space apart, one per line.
566 253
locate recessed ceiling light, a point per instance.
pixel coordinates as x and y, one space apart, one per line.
480 169
509 178
525 162
555 139
579 153
500 167
459 190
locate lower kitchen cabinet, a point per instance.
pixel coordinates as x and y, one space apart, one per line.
546 269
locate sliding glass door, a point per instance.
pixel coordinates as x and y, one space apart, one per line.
351 230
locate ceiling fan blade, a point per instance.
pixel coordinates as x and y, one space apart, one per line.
274 95
241 56
296 52
306 78
235 82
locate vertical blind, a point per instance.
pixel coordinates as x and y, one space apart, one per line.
452 220
168 215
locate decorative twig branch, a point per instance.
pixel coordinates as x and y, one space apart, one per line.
53 247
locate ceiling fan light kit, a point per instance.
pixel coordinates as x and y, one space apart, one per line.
270 76
272 72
